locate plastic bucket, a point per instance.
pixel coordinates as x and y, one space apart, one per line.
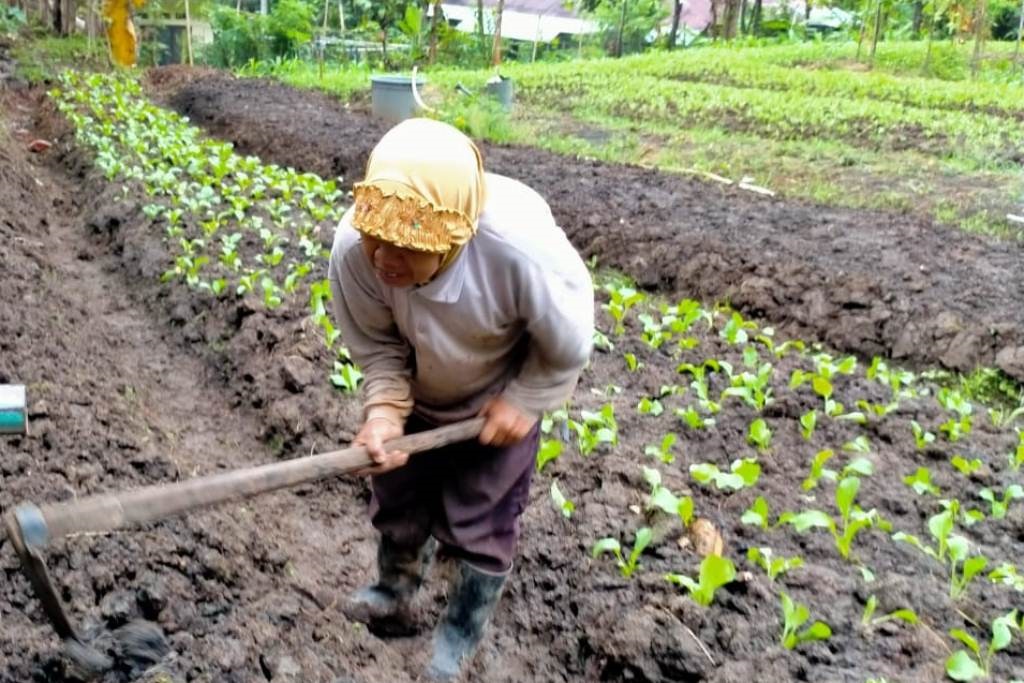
500 88
393 98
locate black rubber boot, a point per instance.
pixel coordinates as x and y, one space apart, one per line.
400 574
471 602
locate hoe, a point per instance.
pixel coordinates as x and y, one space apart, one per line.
32 528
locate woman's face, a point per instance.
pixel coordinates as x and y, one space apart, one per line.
398 267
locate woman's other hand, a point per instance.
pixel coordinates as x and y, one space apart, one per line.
505 424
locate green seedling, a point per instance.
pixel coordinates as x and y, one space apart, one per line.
922 438
750 357
346 376
602 342
954 401
757 514
550 450
921 482
878 409
795 615
784 348
715 572
661 498
627 566
1004 417
759 435
808 421
692 419
632 364
869 620
850 522
951 549
562 504
956 429
648 406
743 473
735 329
774 567
754 389
556 417
1017 457
1006 574
968 666
596 429
858 445
964 466
621 299
663 451
1000 506
856 467
897 380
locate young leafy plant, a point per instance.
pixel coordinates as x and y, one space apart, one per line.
851 521
565 506
964 466
715 572
951 549
773 566
596 429
649 406
661 498
807 423
743 473
1000 506
759 435
969 666
663 451
922 438
346 376
869 620
857 467
921 482
757 514
627 566
550 449
1017 456
795 615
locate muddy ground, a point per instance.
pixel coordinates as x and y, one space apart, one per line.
868 282
135 382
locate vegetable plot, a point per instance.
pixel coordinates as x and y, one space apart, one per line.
236 227
825 479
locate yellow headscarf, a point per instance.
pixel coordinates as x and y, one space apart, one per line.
424 189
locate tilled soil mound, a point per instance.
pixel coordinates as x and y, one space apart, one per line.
865 282
136 382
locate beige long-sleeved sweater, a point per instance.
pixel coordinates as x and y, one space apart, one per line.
512 315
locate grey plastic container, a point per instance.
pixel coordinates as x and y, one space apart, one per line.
500 89
393 98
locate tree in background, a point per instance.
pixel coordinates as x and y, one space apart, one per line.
628 23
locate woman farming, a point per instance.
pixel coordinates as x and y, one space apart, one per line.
459 296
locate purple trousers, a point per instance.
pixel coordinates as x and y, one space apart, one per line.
467 496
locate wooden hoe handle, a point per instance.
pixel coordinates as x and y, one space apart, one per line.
39 526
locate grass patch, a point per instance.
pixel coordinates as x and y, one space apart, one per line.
41 59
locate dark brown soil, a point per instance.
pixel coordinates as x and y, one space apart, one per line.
136 382
867 282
